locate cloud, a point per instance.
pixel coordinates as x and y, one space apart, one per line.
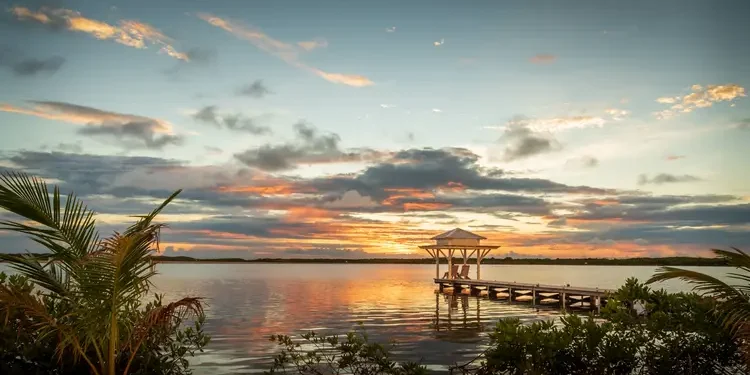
254 90
556 124
559 222
437 110
700 97
26 67
617 114
583 162
439 43
201 55
311 147
391 29
666 178
131 131
743 125
543 59
351 200
674 157
313 44
415 173
129 33
213 150
286 52
668 100
523 142
386 106
236 122
74 148
196 57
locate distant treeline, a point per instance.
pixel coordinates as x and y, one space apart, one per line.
667 261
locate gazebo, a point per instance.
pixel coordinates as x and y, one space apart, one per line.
457 240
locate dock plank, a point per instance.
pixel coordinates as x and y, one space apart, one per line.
540 288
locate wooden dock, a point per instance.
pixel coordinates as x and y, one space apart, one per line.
562 295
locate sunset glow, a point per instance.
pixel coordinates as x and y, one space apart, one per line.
337 131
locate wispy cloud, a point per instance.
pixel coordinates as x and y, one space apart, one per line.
543 58
699 97
439 43
129 33
556 124
666 178
674 157
617 114
27 66
286 52
437 110
237 122
391 29
130 130
257 89
311 147
523 141
585 161
313 44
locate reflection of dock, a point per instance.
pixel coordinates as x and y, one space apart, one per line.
458 325
466 244
535 294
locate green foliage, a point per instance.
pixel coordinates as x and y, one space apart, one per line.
734 300
330 355
640 331
79 309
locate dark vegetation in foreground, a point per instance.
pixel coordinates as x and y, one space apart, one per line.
81 309
640 331
667 261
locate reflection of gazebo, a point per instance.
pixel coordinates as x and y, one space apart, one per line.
465 242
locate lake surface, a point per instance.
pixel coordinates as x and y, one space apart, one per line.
249 302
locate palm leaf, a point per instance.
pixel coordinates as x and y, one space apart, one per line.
734 307
29 266
29 197
161 317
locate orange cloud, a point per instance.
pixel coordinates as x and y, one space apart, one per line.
313 44
81 115
700 97
130 33
543 58
397 194
284 51
425 206
452 187
279 188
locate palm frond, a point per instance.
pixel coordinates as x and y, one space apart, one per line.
29 197
161 317
145 220
29 266
702 283
734 307
46 324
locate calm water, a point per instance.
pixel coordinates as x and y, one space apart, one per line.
249 302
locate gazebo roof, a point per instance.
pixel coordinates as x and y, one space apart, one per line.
458 233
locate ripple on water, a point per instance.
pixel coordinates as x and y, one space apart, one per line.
249 302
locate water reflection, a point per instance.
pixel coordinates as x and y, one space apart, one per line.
247 303
459 322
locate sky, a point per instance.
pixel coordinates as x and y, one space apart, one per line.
351 129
